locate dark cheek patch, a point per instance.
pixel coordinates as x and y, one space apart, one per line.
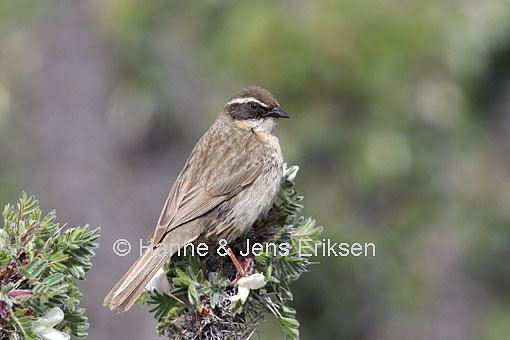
241 112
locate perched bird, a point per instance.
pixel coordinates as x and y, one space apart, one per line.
230 180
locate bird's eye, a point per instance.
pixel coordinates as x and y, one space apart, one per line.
254 106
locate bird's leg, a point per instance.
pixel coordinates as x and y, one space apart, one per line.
235 261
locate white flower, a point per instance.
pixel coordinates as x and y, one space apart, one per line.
159 282
3 238
290 173
43 326
245 284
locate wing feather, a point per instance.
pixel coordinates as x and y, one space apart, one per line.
215 172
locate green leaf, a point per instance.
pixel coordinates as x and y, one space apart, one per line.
36 267
23 324
54 279
193 297
46 262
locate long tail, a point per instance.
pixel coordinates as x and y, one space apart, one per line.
131 285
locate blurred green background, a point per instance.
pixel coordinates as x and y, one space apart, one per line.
401 127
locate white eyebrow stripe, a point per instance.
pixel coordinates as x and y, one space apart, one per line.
246 100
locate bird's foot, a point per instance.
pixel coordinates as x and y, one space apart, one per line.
235 261
244 266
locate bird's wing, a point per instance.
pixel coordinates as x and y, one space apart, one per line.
217 170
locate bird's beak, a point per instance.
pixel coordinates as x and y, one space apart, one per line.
277 112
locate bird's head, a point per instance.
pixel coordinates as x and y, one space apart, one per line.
256 107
